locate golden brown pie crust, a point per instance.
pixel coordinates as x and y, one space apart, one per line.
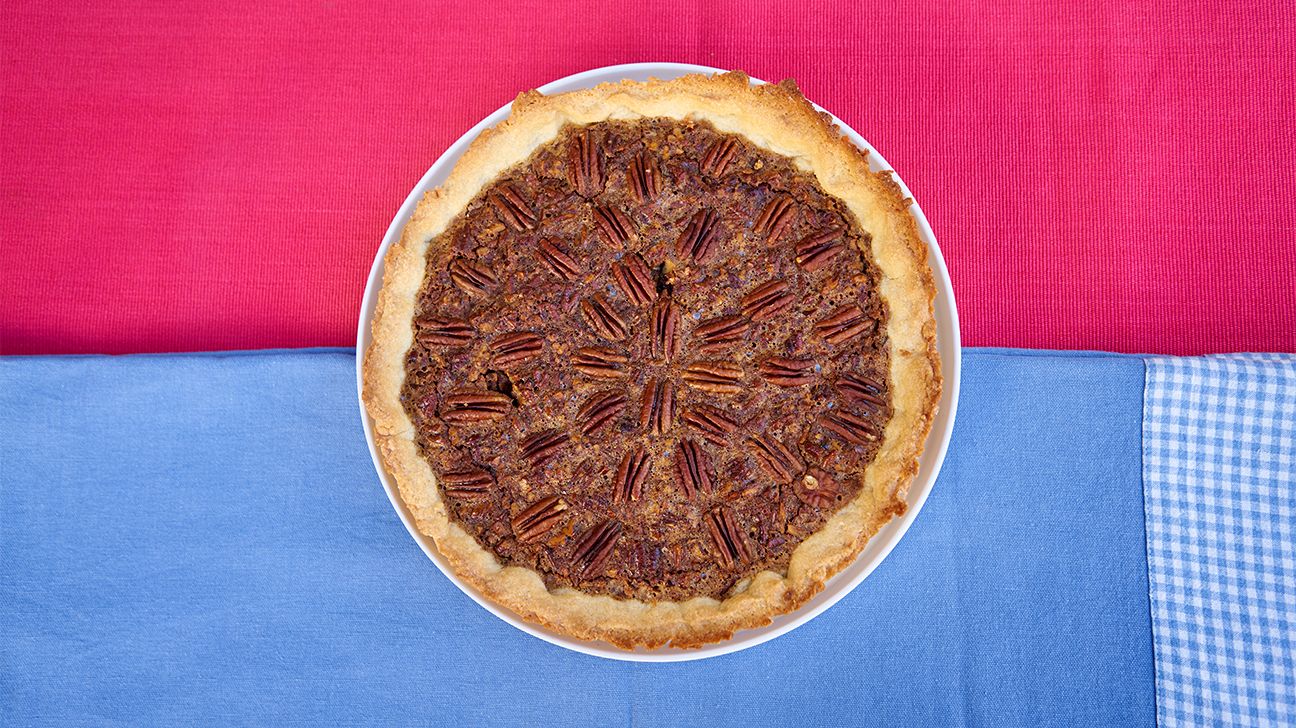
775 118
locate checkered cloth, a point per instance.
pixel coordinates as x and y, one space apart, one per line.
1219 465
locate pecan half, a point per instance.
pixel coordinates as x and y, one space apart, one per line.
778 214
643 177
665 329
631 476
444 331
766 300
558 261
472 277
844 324
543 445
816 489
699 236
474 406
729 540
603 319
787 372
585 164
600 363
851 428
713 424
614 224
776 457
719 377
717 158
537 519
817 249
512 209
595 546
644 558
599 410
635 279
467 483
862 391
657 407
516 348
717 333
694 468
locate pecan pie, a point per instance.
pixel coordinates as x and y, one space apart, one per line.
657 359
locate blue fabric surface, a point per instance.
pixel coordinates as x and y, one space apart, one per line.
202 538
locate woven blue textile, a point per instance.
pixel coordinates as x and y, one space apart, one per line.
202 539
1220 474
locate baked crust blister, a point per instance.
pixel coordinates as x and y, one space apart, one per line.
775 118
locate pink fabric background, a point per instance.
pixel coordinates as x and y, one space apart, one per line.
1100 176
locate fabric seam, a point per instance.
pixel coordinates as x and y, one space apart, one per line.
1147 543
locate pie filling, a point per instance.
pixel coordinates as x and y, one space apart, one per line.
649 361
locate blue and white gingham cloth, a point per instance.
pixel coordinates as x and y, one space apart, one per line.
1219 479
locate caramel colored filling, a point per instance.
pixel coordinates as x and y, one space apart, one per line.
649 361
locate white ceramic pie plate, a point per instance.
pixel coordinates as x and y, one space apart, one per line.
839 586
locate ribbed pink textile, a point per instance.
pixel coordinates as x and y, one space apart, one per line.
1100 175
